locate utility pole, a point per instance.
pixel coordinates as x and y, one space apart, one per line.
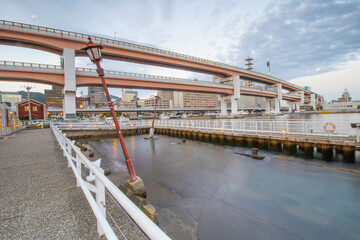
151 132
28 98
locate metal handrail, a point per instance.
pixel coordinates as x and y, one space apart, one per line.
63 33
144 223
270 127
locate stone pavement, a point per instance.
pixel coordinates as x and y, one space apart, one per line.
38 194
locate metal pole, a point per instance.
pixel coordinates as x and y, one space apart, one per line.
151 132
28 95
129 165
156 100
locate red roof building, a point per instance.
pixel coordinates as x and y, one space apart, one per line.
38 110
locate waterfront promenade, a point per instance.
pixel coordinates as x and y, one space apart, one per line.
38 194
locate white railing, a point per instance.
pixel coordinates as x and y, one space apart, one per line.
111 73
274 128
101 183
104 125
108 41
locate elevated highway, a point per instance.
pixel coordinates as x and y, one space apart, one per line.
55 41
54 75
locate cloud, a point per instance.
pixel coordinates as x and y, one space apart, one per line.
332 84
302 37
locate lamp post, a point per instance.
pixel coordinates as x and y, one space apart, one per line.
94 52
81 107
151 133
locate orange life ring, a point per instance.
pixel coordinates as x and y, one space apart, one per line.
329 127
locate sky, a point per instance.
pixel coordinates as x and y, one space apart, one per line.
312 43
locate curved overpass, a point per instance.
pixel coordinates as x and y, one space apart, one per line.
54 40
54 75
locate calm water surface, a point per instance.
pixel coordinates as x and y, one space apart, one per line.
205 191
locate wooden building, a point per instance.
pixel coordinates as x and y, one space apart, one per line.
38 110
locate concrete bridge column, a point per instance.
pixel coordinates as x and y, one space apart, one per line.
234 106
279 98
290 106
313 101
268 106
223 106
69 103
236 96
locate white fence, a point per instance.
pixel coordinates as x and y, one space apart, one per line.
296 128
101 183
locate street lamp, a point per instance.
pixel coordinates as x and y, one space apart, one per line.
94 52
81 107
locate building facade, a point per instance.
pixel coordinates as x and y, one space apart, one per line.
38 110
10 97
162 103
163 94
54 98
195 100
96 96
129 95
126 105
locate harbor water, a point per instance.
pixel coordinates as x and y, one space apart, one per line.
204 190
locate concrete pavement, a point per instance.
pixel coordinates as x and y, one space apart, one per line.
38 194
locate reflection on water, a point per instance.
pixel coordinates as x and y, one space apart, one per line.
205 191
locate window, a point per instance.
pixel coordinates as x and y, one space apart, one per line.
34 108
26 108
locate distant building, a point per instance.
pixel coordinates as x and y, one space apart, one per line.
250 101
129 95
54 98
163 94
96 96
162 103
38 110
10 97
345 96
84 101
141 103
126 105
341 105
195 100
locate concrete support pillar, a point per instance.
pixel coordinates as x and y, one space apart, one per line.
69 103
313 101
234 106
297 107
236 96
223 106
279 98
268 107
290 106
277 106
302 97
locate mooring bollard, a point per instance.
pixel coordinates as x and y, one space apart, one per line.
254 151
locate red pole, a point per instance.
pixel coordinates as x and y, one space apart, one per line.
129 165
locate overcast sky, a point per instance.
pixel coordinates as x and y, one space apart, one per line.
312 43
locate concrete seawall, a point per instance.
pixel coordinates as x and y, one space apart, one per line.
276 143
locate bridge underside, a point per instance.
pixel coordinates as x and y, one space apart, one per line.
55 44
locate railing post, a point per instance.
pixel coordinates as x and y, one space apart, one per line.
100 197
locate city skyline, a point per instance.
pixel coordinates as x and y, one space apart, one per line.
315 44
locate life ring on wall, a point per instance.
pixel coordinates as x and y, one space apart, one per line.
329 127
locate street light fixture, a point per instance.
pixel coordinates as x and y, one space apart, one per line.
81 107
94 52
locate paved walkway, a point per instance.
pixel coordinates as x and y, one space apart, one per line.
38 194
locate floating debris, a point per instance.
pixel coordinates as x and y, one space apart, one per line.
254 156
